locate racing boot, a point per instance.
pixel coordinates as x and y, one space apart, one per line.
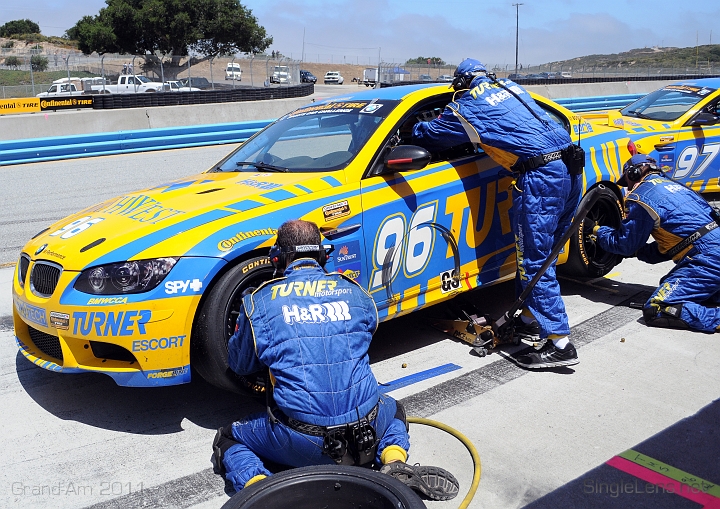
221 443
434 482
549 356
665 316
528 333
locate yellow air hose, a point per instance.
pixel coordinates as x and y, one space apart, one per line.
470 447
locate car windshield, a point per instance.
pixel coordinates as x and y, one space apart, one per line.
668 103
143 79
316 138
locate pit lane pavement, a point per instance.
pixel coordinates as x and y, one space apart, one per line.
544 437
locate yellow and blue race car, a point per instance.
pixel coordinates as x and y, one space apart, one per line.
145 285
679 126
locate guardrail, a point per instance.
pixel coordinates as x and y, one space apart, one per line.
122 142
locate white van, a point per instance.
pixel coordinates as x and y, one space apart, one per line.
233 72
565 74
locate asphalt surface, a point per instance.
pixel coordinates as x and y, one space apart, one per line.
626 427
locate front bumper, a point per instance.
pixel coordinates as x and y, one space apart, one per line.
139 343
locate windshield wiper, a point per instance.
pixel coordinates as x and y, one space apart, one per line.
639 115
262 166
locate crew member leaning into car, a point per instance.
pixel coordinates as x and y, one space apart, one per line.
516 133
685 229
311 330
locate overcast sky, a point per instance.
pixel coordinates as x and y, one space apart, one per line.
356 31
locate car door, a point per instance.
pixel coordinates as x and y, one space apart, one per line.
695 155
416 222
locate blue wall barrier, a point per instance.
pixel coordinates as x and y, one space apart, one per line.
123 142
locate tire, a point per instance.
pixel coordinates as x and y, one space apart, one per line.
336 486
586 258
215 323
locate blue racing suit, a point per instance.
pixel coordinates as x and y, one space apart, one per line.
670 212
312 329
544 198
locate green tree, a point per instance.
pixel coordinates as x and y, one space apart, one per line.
19 27
171 28
13 62
435 61
39 63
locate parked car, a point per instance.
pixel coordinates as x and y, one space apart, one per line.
195 81
535 77
425 77
445 78
333 78
516 77
565 74
141 286
679 126
176 86
233 72
307 77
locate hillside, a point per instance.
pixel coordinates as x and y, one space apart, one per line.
701 57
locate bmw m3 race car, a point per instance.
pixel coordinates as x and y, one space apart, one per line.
145 285
679 125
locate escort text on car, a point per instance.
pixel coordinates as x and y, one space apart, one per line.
145 285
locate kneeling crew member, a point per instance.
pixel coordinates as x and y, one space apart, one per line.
312 331
685 229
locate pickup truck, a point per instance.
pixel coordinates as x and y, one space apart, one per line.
178 86
129 84
61 90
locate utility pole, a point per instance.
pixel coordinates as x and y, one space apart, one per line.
517 30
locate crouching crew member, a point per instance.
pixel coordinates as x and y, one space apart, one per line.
311 330
685 229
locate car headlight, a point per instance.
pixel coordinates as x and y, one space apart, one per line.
125 277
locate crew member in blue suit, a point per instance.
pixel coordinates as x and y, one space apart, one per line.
311 330
502 118
685 229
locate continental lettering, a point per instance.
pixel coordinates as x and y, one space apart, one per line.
227 244
120 323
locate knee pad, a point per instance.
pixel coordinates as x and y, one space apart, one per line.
400 414
659 314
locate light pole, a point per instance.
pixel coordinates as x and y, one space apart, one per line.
517 30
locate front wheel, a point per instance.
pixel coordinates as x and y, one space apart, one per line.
587 258
216 323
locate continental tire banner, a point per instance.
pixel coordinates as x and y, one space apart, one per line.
25 105
66 103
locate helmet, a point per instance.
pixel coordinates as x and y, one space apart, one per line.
466 72
635 167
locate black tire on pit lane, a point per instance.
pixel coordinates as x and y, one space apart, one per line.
215 323
587 258
336 486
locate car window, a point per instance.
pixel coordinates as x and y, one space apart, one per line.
668 103
316 138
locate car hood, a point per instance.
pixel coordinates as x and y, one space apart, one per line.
189 217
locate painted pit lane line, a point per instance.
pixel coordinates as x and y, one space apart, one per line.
203 486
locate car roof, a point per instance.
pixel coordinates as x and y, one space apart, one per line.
387 93
704 82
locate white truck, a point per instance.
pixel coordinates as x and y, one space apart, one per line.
66 87
281 74
129 84
370 76
233 72
177 86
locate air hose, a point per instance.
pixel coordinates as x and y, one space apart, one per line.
470 447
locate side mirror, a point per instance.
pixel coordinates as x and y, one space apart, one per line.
703 118
405 158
